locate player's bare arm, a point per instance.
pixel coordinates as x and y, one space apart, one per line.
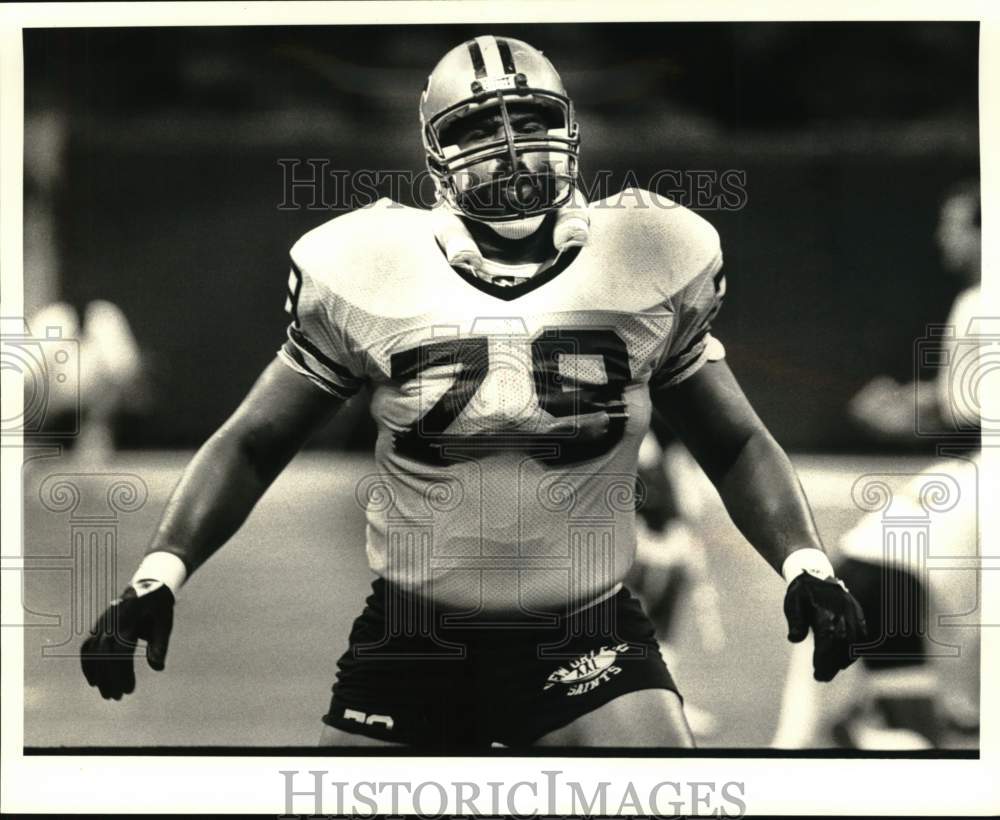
765 500
754 477
239 462
217 492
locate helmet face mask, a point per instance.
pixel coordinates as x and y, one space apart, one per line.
512 174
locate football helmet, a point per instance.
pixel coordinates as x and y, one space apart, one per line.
501 179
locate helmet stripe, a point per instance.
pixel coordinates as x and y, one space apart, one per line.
506 57
476 55
491 55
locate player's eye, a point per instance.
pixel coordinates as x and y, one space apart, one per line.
531 127
470 137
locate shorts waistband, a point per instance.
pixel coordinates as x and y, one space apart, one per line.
383 588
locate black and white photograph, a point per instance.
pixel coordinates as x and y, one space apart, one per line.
436 391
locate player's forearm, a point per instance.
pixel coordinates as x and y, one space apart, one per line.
218 490
765 500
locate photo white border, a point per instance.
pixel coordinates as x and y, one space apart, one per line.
252 784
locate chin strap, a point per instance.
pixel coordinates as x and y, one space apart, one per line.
456 241
571 230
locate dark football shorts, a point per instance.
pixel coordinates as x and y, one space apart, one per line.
895 605
467 685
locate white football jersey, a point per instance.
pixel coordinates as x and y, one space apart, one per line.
509 418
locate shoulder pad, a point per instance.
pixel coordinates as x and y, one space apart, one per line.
357 244
659 234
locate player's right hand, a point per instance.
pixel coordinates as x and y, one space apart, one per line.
107 655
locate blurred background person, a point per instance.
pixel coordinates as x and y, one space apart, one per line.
110 380
111 383
670 575
891 411
910 691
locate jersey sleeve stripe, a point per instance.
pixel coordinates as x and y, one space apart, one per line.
294 291
692 344
681 362
301 341
294 358
667 378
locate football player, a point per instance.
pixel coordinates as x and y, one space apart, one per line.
111 371
515 339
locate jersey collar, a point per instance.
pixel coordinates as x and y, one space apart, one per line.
510 292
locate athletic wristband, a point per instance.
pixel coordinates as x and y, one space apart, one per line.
164 567
811 560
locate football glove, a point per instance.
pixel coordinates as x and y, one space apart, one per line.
107 655
836 619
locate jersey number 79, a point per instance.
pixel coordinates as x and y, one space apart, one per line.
577 429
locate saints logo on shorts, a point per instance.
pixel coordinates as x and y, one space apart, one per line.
588 671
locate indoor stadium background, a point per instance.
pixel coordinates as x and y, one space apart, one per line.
154 179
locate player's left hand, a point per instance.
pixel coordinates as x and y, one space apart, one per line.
107 655
835 616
